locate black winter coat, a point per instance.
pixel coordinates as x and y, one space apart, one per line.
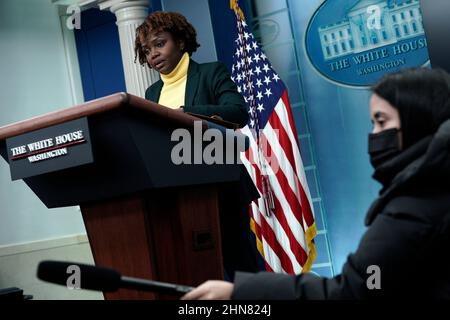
408 238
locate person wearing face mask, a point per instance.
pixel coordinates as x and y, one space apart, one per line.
165 42
408 235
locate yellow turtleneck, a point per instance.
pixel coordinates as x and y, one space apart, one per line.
174 88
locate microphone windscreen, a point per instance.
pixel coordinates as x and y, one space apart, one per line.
90 277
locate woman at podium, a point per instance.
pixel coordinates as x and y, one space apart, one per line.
165 42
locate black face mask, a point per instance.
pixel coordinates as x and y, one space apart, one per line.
383 146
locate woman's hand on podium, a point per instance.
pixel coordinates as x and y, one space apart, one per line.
211 290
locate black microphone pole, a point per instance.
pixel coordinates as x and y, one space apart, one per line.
103 279
154 286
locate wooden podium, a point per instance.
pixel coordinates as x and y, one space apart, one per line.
145 216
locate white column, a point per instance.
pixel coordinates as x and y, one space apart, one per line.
130 14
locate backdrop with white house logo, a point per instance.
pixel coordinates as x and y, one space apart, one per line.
364 39
329 52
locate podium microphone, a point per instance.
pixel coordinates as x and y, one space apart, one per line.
103 279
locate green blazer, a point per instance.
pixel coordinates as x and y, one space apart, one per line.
209 91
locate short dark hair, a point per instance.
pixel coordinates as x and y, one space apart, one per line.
422 97
172 22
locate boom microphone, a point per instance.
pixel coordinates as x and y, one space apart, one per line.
103 279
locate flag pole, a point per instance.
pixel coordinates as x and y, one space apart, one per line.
267 192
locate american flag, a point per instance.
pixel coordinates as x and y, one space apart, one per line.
282 219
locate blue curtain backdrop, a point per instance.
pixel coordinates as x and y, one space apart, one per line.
99 54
